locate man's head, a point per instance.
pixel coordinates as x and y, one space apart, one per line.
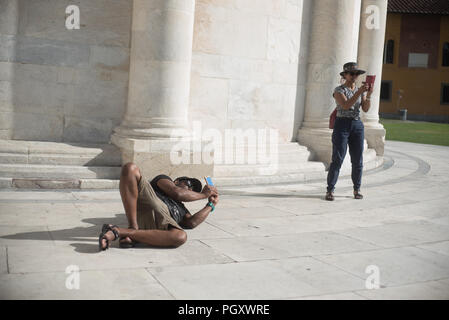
189 183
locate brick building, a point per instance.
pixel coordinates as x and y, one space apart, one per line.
415 73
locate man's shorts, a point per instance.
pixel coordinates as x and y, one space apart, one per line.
152 212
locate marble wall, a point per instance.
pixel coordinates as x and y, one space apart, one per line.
249 61
248 58
58 84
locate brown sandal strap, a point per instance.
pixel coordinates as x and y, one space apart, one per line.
358 195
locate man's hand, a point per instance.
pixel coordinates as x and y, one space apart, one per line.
214 199
209 191
191 221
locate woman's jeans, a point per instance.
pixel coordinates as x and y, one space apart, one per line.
347 131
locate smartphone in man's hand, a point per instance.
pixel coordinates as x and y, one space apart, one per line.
209 181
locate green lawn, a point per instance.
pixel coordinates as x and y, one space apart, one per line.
417 131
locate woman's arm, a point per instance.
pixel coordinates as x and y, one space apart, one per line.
345 103
366 100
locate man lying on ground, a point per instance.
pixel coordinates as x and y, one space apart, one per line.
155 212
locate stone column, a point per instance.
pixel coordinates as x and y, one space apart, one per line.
159 87
370 58
331 45
9 25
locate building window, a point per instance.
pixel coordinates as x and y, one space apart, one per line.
418 60
386 87
445 93
446 54
389 52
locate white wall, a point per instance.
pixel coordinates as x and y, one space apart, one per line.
245 62
64 85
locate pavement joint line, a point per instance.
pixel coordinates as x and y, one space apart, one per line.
392 247
216 250
339 268
417 246
7 260
209 223
81 270
332 210
50 234
358 294
404 284
325 294
131 268
160 283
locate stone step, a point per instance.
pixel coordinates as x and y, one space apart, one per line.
293 165
58 153
30 183
254 170
371 162
59 172
273 179
281 148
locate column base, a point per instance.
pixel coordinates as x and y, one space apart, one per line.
375 136
163 156
319 142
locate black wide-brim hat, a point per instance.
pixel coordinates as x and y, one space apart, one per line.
351 67
196 184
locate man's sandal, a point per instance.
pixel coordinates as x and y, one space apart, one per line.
105 229
127 245
329 196
358 195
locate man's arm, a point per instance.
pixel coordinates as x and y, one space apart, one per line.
191 221
184 195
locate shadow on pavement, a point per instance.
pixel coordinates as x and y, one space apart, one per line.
85 238
279 195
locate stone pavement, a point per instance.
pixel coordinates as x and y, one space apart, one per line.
265 242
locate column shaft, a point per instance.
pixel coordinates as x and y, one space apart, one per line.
159 79
370 58
331 45
154 127
9 25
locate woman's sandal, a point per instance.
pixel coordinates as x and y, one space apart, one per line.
127 245
358 195
329 196
106 228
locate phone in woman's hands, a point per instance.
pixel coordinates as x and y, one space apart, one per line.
370 80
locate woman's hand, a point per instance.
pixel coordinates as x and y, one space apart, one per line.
371 89
365 87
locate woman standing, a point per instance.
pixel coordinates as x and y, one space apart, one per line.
348 128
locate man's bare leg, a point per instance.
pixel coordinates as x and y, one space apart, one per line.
172 237
129 179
